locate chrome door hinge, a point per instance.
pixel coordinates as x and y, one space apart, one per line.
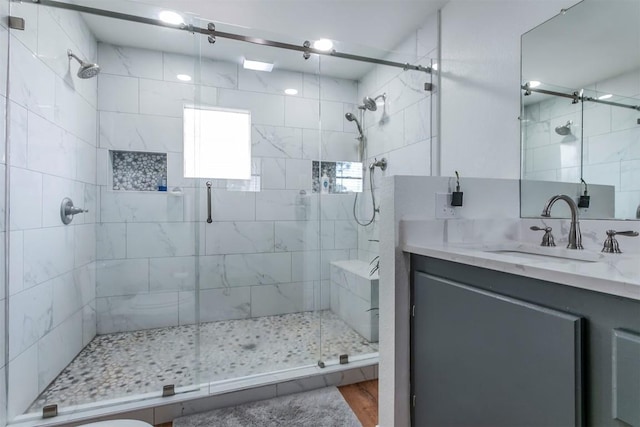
413 310
16 23
168 390
413 401
50 411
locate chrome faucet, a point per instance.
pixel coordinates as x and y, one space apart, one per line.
575 238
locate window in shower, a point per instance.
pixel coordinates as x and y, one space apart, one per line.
343 177
217 143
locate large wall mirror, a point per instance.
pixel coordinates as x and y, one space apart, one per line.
580 118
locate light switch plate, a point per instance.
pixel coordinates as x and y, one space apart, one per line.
443 206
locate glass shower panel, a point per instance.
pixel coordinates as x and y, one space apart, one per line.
148 244
384 129
101 299
261 257
4 60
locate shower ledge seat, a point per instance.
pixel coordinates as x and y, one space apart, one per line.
354 296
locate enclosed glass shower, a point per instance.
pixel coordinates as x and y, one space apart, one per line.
131 273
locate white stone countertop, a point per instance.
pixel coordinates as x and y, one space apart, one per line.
614 274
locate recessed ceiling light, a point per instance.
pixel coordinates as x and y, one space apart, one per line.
257 65
184 77
291 91
323 44
534 83
607 96
171 17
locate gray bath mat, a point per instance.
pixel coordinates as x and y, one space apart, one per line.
324 407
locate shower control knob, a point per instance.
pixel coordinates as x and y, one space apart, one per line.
67 210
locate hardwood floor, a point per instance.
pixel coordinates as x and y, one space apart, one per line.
363 400
361 397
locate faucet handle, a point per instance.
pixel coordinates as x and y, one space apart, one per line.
547 239
611 244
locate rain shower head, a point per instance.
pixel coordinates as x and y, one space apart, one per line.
370 104
87 69
564 130
352 118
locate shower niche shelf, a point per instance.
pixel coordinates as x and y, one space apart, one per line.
138 171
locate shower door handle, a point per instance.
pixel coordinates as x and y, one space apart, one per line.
209 220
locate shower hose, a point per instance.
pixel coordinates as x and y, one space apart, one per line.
373 202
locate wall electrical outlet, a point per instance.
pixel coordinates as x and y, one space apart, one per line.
443 206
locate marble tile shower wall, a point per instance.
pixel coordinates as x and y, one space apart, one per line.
266 252
4 60
402 130
52 155
610 153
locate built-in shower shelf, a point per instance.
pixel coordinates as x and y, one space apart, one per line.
138 171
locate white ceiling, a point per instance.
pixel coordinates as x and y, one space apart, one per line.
363 27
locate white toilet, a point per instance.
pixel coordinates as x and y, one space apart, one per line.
118 423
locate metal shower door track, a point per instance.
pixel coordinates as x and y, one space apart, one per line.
211 32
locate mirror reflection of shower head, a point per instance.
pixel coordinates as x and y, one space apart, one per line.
352 118
564 130
87 69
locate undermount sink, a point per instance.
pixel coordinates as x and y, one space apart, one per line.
545 253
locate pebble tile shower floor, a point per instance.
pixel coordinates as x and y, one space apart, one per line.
130 363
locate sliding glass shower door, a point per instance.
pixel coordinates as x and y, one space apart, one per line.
258 271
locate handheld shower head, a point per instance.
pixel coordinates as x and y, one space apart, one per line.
352 118
87 69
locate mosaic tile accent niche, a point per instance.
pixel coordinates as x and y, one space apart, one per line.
138 171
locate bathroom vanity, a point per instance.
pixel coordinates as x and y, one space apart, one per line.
507 334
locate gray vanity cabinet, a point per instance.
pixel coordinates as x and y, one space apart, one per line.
496 349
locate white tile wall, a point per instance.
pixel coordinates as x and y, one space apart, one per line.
118 93
138 132
275 83
266 109
269 141
248 267
23 381
52 135
239 237
153 310
18 132
282 298
130 62
30 317
160 239
57 348
110 274
210 73
245 269
33 87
